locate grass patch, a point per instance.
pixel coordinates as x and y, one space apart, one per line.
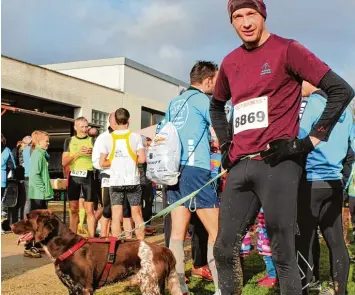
254 269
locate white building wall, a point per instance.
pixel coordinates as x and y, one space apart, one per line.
128 80
142 84
32 80
126 75
121 77
109 76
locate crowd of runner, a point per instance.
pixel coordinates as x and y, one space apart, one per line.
289 163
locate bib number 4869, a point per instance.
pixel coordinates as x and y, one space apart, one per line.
251 114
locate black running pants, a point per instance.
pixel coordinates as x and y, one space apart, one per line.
320 203
250 185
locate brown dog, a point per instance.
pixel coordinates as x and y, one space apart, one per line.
83 269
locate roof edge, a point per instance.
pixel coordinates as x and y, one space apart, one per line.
115 61
59 73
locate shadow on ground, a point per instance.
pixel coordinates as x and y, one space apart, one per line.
15 265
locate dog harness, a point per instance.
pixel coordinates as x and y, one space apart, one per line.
110 257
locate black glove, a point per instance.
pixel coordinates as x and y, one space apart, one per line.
282 149
226 162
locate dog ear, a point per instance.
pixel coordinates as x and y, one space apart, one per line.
46 213
32 218
39 213
44 228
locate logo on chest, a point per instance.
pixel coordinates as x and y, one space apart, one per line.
265 70
119 153
303 106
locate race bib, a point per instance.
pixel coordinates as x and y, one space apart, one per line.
79 173
251 114
105 182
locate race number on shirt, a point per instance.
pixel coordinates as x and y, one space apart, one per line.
79 173
105 182
251 114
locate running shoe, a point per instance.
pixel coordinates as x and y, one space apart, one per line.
151 228
315 286
327 291
268 283
32 253
262 279
149 231
82 230
203 272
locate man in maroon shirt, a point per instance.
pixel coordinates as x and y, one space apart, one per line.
263 78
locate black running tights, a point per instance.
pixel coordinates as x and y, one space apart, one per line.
323 207
250 185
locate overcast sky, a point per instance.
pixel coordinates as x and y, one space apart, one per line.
167 35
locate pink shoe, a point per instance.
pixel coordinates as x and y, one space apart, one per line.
262 279
268 283
203 272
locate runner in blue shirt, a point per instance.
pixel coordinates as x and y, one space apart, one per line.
8 164
189 112
321 192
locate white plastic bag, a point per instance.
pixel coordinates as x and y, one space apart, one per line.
163 156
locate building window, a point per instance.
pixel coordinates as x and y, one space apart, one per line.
101 119
150 117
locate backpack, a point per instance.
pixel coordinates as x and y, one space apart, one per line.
164 154
11 194
163 157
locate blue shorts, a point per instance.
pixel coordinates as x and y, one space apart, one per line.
192 179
